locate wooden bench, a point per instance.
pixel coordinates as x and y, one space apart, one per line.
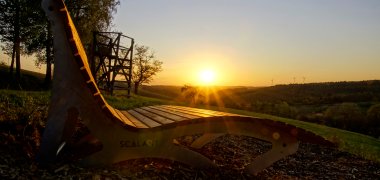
146 131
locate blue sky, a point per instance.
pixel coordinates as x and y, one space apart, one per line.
251 42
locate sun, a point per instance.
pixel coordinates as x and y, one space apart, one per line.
207 76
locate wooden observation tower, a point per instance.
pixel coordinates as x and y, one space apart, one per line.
111 61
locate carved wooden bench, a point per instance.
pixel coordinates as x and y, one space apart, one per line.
141 132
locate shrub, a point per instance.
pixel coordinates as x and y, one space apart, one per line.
346 116
373 116
285 110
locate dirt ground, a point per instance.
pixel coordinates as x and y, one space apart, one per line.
230 153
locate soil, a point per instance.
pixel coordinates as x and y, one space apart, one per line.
230 153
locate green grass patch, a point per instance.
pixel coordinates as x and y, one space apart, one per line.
15 98
135 101
122 102
23 107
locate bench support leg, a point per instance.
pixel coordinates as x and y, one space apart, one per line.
167 151
279 150
204 139
184 155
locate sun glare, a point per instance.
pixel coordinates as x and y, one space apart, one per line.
207 77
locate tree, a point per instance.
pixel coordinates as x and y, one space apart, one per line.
40 42
41 45
88 16
347 116
9 29
91 15
16 26
283 109
25 30
145 66
193 94
373 115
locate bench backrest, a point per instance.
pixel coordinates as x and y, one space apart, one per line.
75 94
80 58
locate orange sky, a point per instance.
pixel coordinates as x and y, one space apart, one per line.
255 43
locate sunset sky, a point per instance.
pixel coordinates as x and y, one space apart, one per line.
252 42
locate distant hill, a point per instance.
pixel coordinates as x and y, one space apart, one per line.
173 92
294 94
160 91
318 93
29 80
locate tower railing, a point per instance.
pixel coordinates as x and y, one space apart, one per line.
111 61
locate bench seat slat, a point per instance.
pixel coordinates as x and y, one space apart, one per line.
124 119
165 114
155 117
179 113
208 111
203 111
147 121
186 111
135 121
171 111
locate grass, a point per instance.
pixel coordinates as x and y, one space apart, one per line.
21 105
23 108
29 80
124 103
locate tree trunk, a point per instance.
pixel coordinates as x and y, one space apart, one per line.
48 57
137 87
47 80
18 63
17 41
11 67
